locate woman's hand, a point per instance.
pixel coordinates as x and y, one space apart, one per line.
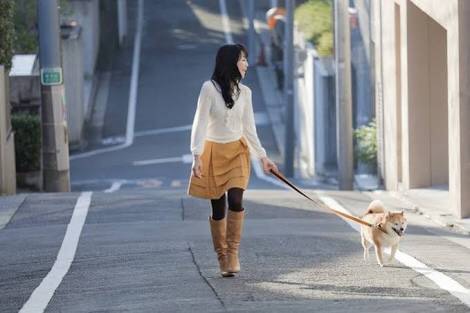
197 166
268 165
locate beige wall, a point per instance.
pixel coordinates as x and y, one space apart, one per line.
426 102
7 141
461 180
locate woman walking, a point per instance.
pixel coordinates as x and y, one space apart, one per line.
222 138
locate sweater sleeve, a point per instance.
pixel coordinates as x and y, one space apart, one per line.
201 119
249 129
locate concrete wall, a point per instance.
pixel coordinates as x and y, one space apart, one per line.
7 140
424 73
427 101
72 60
460 182
87 14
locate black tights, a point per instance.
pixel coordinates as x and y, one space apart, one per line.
235 197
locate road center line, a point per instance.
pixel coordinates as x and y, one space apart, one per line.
186 158
441 280
41 296
163 131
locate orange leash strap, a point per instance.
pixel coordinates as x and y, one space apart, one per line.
352 218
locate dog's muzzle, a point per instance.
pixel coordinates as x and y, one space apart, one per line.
399 231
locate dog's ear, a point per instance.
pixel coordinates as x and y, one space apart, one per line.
402 213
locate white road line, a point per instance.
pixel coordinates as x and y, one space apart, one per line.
186 158
163 131
132 93
441 280
135 77
225 22
115 186
41 296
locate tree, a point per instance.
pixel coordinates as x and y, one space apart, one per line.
7 32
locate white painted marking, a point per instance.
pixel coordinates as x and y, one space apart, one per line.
132 94
163 131
115 186
150 183
225 22
134 78
187 158
176 183
41 296
443 281
113 140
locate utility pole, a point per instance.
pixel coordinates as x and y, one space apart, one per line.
251 33
289 89
343 95
54 126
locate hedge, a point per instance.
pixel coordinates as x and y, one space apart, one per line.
27 128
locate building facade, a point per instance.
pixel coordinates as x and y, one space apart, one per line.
422 83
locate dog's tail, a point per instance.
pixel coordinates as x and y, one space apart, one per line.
375 206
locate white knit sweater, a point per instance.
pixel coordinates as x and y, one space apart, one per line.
215 122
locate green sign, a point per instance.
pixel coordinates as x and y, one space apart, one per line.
51 76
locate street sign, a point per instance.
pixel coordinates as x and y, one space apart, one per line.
51 76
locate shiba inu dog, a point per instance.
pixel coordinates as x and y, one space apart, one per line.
388 229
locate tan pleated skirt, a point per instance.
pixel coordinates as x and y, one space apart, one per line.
224 166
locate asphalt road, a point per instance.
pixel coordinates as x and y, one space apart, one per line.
179 43
149 250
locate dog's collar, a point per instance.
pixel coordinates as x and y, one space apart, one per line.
379 226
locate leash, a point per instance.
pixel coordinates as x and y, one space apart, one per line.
339 213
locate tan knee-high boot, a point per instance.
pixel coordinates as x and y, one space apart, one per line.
234 233
218 232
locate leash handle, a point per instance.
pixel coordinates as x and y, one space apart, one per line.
287 182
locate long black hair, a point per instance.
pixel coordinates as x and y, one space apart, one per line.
226 73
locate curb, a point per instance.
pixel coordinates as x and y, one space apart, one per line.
8 207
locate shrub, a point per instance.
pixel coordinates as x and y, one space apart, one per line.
7 32
314 19
27 128
366 143
26 40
